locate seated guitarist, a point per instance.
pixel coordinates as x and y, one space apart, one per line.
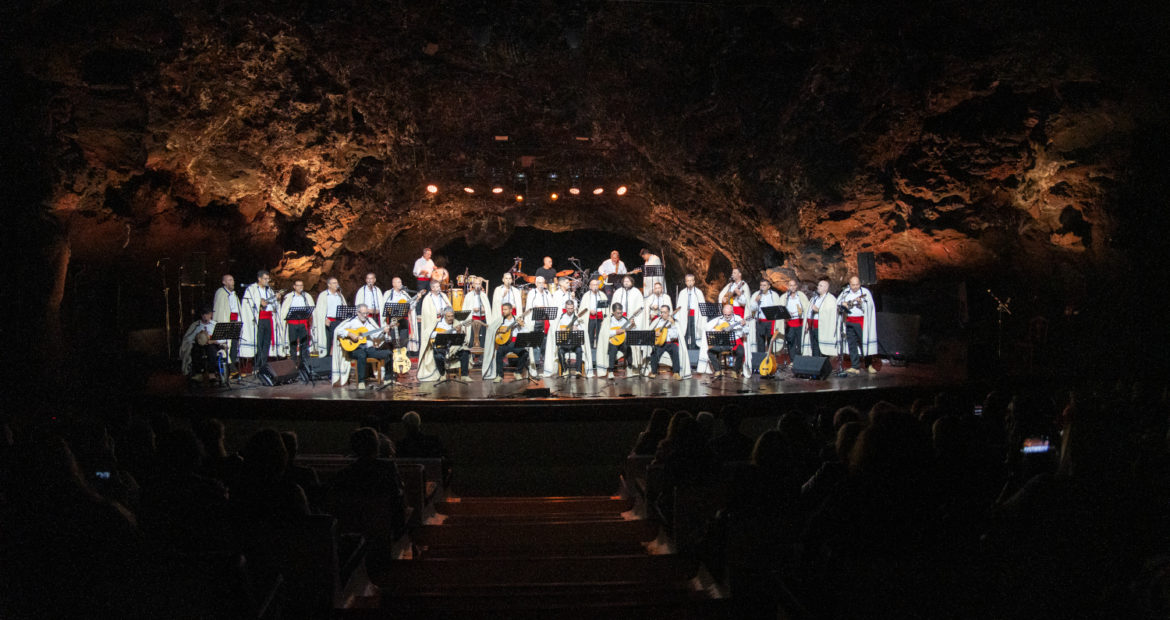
503 350
444 354
665 320
735 326
618 319
367 349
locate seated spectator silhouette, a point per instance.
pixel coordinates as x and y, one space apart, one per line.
832 472
415 444
800 438
181 509
705 425
655 431
262 494
305 477
369 478
685 458
732 445
93 448
217 463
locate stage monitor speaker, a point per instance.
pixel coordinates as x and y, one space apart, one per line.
811 367
898 335
866 268
321 367
279 372
541 392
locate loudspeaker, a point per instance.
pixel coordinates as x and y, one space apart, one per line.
542 392
866 268
321 368
278 372
898 335
811 367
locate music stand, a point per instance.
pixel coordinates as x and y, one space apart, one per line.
530 340
542 314
710 310
637 338
719 339
571 340
653 271
345 312
614 280
302 313
446 341
228 331
394 311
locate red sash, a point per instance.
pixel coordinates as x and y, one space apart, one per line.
858 320
793 322
331 319
813 323
595 315
691 313
266 315
738 310
235 316
304 322
479 318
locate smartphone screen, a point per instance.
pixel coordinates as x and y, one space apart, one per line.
1035 445
102 475
978 410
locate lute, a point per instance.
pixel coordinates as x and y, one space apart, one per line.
619 333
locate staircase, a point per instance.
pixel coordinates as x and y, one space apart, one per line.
550 557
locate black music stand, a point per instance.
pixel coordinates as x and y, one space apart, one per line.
637 338
710 310
614 280
719 339
345 312
227 331
446 341
395 311
654 271
544 313
571 340
531 340
302 313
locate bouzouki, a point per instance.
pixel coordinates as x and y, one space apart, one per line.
619 333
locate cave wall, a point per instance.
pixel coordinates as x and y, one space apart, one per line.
944 138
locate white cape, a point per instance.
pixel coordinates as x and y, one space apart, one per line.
633 303
286 346
222 307
429 318
826 333
684 301
249 313
648 281
495 319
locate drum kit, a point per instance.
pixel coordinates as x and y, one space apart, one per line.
578 277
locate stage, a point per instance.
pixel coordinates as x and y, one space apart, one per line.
566 399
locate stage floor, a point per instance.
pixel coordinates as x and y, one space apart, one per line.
574 398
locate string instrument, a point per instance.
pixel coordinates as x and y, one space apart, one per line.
576 317
601 277
504 332
619 336
660 333
357 336
275 296
856 302
401 363
769 364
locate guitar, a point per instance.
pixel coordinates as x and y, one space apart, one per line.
358 336
601 277
660 333
565 328
401 363
619 333
504 332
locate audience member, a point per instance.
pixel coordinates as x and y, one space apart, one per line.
181 509
415 444
263 495
655 431
217 463
300 475
732 445
369 478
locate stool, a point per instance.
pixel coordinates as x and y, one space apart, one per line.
375 365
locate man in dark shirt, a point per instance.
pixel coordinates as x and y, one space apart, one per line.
416 444
547 272
731 445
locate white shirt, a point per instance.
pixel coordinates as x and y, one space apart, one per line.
332 301
622 296
393 295
233 301
654 302
423 264
815 302
738 300
296 300
565 319
768 299
443 325
206 327
540 298
477 302
849 295
369 295
608 267
440 301
593 301
671 332
736 328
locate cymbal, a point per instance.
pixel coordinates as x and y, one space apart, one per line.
564 272
521 277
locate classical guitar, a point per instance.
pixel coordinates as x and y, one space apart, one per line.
619 333
504 332
357 336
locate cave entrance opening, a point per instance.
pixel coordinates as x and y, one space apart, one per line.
590 246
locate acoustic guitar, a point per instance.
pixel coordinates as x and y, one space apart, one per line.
660 333
358 336
619 333
504 332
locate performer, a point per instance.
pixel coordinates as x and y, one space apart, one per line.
197 350
611 266
656 300
736 292
422 271
546 270
299 338
563 292
821 322
263 335
860 325
618 320
632 303
540 297
477 302
665 320
761 327
431 310
227 308
371 295
325 316
648 282
595 302
728 321
692 324
394 295
583 354
504 318
444 353
506 293
341 359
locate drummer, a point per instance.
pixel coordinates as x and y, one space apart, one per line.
546 271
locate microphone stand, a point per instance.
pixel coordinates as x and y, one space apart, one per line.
1001 308
166 301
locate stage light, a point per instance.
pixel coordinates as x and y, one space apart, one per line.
574 190
432 189
621 191
469 190
553 197
598 191
519 198
497 190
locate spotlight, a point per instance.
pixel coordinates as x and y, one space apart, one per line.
621 191
598 191
553 197
574 190
519 198
497 190
432 189
469 190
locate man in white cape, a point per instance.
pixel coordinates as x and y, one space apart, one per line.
792 329
675 346
371 295
341 358
396 294
570 321
821 322
325 316
595 301
632 306
299 339
260 312
648 282
226 307
860 325
430 311
505 293
737 293
189 350
693 325
541 297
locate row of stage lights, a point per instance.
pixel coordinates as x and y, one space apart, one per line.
498 190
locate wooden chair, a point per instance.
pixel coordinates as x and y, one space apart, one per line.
375 368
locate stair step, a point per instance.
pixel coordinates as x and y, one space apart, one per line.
531 505
546 551
405 577
595 517
534 535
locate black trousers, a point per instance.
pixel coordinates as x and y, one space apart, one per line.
624 349
564 353
854 335
330 327
713 357
442 355
203 359
503 351
763 334
363 352
263 342
298 342
594 330
792 340
814 340
689 337
656 356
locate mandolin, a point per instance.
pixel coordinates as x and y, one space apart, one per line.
619 333
565 328
769 364
504 332
358 336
